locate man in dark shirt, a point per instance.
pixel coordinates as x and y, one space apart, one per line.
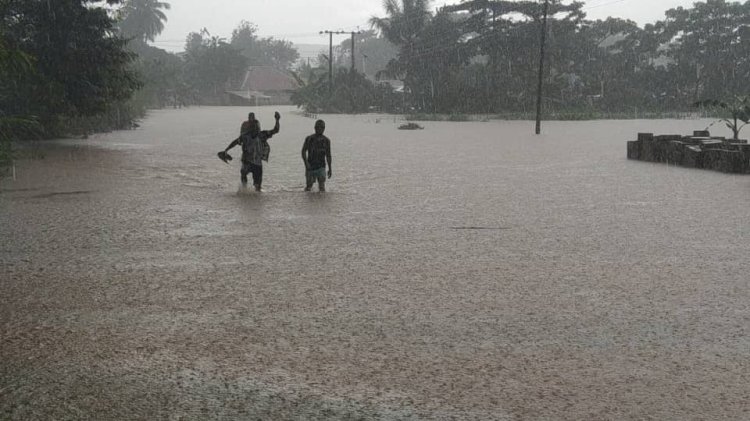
316 151
255 150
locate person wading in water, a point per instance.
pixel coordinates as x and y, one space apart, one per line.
255 150
316 151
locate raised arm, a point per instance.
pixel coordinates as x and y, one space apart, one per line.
275 129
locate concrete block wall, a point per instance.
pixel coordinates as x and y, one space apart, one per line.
697 151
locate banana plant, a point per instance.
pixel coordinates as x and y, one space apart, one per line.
737 112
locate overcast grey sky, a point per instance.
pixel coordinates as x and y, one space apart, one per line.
300 21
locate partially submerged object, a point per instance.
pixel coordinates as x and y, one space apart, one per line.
701 150
410 126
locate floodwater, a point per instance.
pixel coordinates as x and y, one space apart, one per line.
464 271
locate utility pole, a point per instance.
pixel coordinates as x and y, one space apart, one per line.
330 60
330 53
541 68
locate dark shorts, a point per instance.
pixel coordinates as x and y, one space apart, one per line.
318 175
256 170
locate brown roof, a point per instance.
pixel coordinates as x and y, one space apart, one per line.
268 79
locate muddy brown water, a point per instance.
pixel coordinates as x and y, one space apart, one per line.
463 271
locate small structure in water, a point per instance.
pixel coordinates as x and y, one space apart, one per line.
410 126
701 150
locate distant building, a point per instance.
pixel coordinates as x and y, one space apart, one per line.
264 85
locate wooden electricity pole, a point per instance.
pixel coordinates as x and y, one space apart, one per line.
353 33
330 54
541 69
330 60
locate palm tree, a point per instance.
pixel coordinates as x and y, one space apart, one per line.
404 22
143 20
403 26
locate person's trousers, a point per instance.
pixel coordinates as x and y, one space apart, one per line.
256 170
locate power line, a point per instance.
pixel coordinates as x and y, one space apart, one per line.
330 54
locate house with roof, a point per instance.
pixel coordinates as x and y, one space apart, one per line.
264 85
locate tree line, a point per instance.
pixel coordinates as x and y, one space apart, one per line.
482 56
79 66
85 65
209 65
62 61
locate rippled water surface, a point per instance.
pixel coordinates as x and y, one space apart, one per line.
463 271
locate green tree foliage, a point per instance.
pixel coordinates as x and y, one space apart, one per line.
737 112
263 51
503 38
14 66
164 80
437 62
483 55
708 47
162 73
403 26
352 93
142 20
612 48
80 67
373 53
212 66
209 67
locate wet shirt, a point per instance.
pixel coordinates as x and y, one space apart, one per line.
317 147
256 149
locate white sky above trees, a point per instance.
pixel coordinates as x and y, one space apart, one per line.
300 21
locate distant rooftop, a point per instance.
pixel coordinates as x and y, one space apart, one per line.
267 79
